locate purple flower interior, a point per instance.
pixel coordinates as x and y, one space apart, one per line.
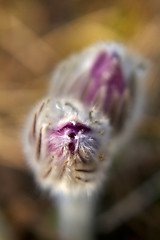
73 128
106 72
65 134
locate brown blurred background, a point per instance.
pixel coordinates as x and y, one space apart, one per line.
34 36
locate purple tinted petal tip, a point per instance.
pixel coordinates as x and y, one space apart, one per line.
76 127
100 65
106 73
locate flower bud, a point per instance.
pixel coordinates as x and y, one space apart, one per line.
68 134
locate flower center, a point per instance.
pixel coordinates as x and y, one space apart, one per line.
70 134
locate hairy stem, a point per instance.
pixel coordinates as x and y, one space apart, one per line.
76 216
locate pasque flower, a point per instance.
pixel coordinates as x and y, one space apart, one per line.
68 135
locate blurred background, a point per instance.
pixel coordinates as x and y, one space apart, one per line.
34 36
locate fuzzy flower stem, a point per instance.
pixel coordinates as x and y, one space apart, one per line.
76 216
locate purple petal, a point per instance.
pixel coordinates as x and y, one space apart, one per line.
106 73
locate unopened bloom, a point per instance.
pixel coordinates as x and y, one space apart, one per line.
68 133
